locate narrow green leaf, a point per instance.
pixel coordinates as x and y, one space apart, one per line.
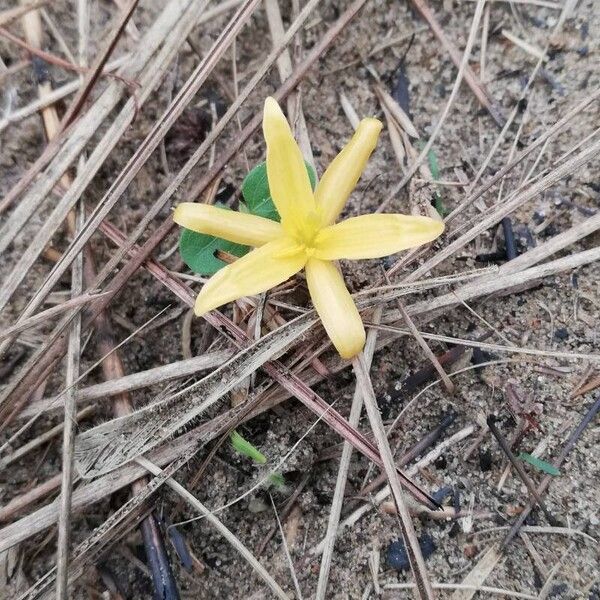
539 464
433 165
246 448
277 480
435 173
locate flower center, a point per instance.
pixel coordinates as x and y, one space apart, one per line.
307 231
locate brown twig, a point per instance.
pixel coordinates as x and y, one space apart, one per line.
6 16
477 87
164 583
426 349
423 444
47 57
98 66
411 543
491 423
545 483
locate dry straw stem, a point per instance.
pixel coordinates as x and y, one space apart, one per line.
395 110
288 556
131 28
20 503
503 283
43 438
54 96
7 16
96 70
410 256
475 84
505 446
115 527
543 530
534 51
485 589
340 485
426 349
411 543
69 422
134 381
218 525
479 573
46 315
498 347
412 168
169 26
512 203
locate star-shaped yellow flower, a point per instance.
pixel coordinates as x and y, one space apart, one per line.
307 236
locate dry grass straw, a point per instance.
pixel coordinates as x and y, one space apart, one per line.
99 488
218 525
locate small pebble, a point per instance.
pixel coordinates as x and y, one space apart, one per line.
397 558
561 333
485 460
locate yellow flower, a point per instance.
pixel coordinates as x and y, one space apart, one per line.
307 236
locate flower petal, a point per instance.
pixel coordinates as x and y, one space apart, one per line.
258 271
249 230
335 307
343 173
288 179
372 236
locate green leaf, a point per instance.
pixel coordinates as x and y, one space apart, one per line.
433 165
198 251
435 173
246 448
255 189
277 480
539 464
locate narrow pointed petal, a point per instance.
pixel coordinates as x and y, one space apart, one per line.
240 228
335 307
343 173
373 236
258 271
288 179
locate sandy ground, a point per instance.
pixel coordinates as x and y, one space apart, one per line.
560 315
